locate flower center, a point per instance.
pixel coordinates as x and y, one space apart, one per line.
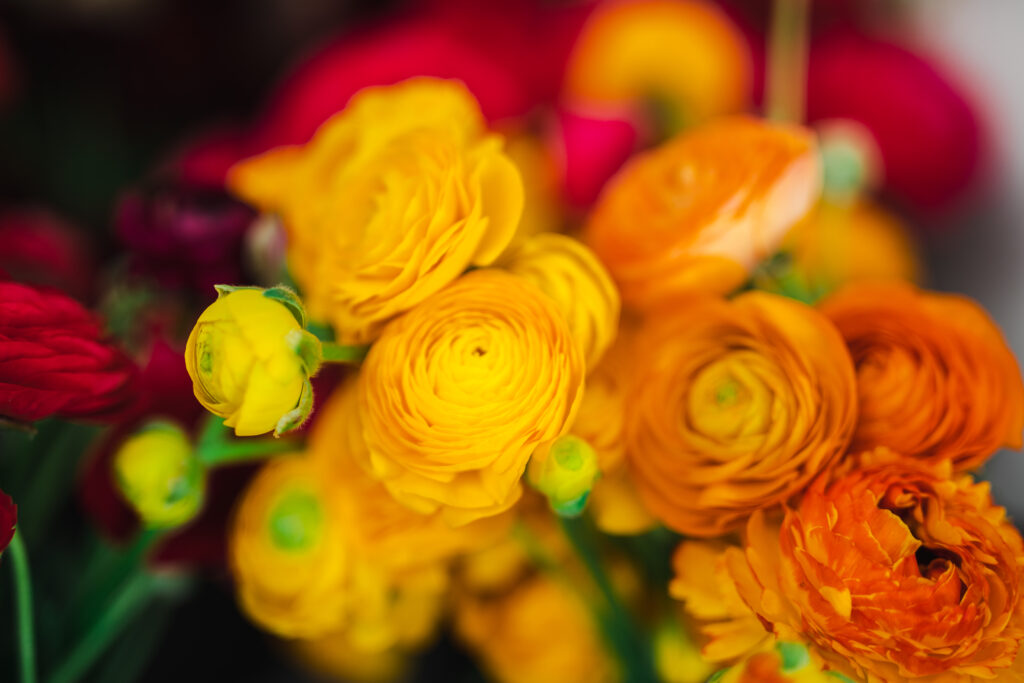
296 521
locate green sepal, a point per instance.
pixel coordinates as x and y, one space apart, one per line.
294 419
308 348
290 299
571 509
717 676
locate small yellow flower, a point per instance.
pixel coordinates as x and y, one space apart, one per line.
250 360
159 474
458 393
391 200
568 272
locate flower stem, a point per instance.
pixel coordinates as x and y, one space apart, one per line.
23 599
339 353
617 624
129 601
216 446
787 61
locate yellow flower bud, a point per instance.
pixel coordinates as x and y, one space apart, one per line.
250 360
158 473
565 470
567 271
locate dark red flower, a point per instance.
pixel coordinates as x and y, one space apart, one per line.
185 236
54 360
40 248
8 520
926 128
591 149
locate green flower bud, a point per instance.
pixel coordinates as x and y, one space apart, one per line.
565 470
158 472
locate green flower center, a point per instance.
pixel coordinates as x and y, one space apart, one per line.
296 521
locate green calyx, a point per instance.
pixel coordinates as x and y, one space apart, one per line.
296 521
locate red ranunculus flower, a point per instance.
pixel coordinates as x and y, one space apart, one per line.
8 520
40 248
927 130
54 360
184 236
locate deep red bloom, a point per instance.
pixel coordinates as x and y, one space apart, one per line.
54 360
591 149
8 520
185 236
926 128
40 248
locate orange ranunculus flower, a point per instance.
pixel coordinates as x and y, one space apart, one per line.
568 272
288 550
392 199
894 572
383 531
935 378
729 628
684 57
735 406
457 394
699 212
540 631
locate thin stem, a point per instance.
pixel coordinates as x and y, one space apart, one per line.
25 617
617 625
242 451
787 61
126 604
339 353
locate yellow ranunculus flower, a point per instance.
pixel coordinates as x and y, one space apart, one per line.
458 393
250 360
384 532
540 631
566 270
288 550
685 56
159 474
785 663
392 199
839 243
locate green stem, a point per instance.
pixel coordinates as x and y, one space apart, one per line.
242 451
617 624
131 598
787 61
339 353
23 599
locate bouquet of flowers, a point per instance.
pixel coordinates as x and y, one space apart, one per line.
595 375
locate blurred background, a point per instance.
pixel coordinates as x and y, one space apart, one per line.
99 98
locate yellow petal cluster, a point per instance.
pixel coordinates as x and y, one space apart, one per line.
392 199
540 631
684 55
244 356
457 394
288 552
568 272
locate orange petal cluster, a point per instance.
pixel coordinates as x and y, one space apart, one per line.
895 571
935 378
735 406
699 212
